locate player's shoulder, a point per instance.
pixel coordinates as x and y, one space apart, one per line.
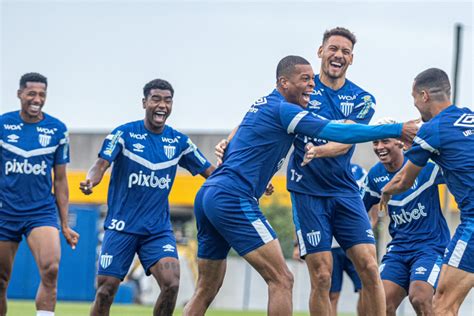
10 117
52 121
376 170
357 90
170 134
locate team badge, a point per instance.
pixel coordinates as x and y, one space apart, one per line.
106 260
169 151
44 139
346 108
314 238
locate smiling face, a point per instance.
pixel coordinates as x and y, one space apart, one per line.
389 151
32 98
336 56
298 86
157 105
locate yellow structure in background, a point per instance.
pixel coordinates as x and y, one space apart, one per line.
185 188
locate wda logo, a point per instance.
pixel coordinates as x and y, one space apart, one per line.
314 238
12 127
168 248
149 180
106 260
170 140
381 179
25 167
406 217
45 130
347 97
138 136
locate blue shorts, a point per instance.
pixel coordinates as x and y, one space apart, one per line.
317 219
225 220
14 230
460 250
404 268
341 263
118 251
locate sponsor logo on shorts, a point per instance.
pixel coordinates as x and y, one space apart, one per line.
25 167
314 237
168 248
106 260
406 217
420 270
370 233
149 180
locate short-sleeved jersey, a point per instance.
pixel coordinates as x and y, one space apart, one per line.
448 139
329 176
143 172
261 143
29 152
416 220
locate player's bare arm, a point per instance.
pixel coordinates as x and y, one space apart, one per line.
61 192
94 175
401 182
206 173
219 150
409 131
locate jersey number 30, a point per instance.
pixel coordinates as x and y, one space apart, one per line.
117 225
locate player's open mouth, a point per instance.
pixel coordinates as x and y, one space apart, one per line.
35 107
159 115
306 97
382 154
336 64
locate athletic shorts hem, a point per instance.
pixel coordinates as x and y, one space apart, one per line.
355 243
309 252
461 267
204 257
398 283
147 269
115 275
252 248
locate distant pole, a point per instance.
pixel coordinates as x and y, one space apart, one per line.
457 61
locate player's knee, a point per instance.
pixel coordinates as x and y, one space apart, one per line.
284 281
369 270
105 294
322 280
421 302
391 308
49 274
3 285
170 289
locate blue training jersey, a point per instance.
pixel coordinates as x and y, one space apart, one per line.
29 152
329 176
416 220
260 145
143 172
448 139
359 174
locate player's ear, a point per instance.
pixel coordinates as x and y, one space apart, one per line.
320 51
282 82
144 103
18 92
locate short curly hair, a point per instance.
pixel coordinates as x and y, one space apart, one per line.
340 31
32 77
157 84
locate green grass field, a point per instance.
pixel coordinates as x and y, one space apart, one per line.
23 308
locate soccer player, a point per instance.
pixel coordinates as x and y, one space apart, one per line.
325 196
417 226
447 138
33 146
226 207
145 155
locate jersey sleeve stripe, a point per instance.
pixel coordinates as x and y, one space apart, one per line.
373 193
425 145
294 122
417 192
30 153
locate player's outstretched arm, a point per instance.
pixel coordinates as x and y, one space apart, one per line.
219 150
94 175
61 192
206 173
401 182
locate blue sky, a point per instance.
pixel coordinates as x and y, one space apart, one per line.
219 55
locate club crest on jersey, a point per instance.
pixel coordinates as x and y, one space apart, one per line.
13 138
346 108
314 238
44 139
106 260
169 151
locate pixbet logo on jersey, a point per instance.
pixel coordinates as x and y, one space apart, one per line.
406 217
25 167
149 180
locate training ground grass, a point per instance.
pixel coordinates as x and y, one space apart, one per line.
23 308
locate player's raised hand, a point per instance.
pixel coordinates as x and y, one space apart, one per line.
86 186
310 153
383 204
409 131
270 189
71 236
219 150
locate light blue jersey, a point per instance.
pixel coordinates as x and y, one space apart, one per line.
28 154
416 220
329 176
143 172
